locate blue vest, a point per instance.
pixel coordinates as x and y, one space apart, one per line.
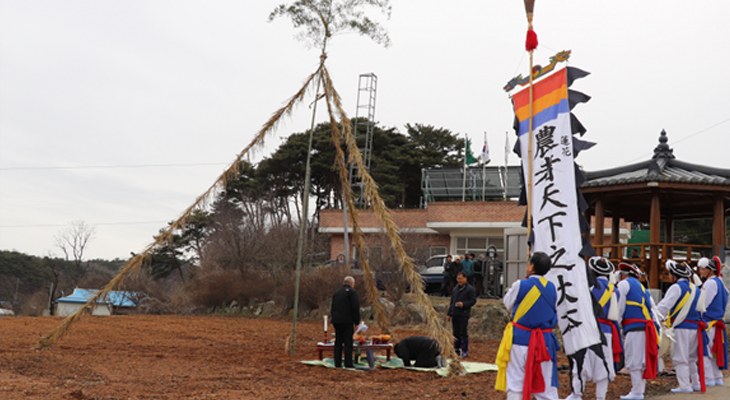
639 295
716 309
599 292
543 315
693 314
716 312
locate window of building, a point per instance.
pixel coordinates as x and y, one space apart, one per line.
436 250
479 245
374 255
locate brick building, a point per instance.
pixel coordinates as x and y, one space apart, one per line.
441 228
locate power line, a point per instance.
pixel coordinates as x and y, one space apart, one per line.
113 166
674 142
93 224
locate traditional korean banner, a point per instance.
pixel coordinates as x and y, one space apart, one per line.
553 203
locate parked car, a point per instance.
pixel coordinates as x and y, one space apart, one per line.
432 273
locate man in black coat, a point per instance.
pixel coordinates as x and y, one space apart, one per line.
423 350
345 316
462 300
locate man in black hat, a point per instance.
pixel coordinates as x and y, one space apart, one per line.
682 311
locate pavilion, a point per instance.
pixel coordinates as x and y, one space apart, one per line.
662 188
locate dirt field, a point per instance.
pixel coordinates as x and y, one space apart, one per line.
209 357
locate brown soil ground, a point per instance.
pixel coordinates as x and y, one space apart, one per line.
212 357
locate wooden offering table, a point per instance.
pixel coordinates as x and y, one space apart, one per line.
330 346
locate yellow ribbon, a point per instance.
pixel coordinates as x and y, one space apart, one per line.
503 357
606 296
676 309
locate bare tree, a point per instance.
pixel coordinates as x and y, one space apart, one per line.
73 241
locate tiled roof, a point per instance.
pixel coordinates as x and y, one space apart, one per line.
663 167
663 171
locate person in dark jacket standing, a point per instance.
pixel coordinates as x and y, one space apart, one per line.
462 300
345 316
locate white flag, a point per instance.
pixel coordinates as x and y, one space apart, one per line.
485 151
554 205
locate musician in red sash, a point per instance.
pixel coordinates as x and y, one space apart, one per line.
640 332
716 299
527 355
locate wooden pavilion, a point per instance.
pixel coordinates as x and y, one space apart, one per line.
660 189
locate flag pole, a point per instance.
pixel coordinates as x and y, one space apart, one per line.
506 153
463 184
530 46
484 169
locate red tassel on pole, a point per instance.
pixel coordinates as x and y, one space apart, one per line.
531 42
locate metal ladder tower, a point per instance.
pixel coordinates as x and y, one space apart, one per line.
363 131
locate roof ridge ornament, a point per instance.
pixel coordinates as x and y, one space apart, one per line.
663 150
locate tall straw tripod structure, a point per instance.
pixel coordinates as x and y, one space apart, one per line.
320 19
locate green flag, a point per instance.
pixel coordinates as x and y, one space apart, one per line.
470 159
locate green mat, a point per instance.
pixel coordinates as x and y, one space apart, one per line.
395 362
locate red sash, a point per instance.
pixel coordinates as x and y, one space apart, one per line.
700 352
718 343
652 347
615 339
537 352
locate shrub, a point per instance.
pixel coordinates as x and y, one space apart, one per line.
216 288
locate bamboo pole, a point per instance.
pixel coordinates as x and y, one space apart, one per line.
305 204
529 154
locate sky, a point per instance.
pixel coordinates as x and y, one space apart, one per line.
121 113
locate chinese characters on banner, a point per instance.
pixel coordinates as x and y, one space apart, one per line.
554 204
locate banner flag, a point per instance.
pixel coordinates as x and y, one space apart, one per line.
554 204
469 159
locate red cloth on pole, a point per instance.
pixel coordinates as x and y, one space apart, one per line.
652 346
537 352
531 41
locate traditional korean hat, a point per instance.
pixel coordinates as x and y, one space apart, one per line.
713 264
601 265
630 269
718 265
681 270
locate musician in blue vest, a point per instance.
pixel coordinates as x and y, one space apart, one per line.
681 306
527 354
640 331
716 299
591 366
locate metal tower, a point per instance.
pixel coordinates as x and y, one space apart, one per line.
363 130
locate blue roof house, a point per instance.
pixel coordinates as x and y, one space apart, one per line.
116 302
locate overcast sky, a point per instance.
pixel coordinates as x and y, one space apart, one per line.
120 113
